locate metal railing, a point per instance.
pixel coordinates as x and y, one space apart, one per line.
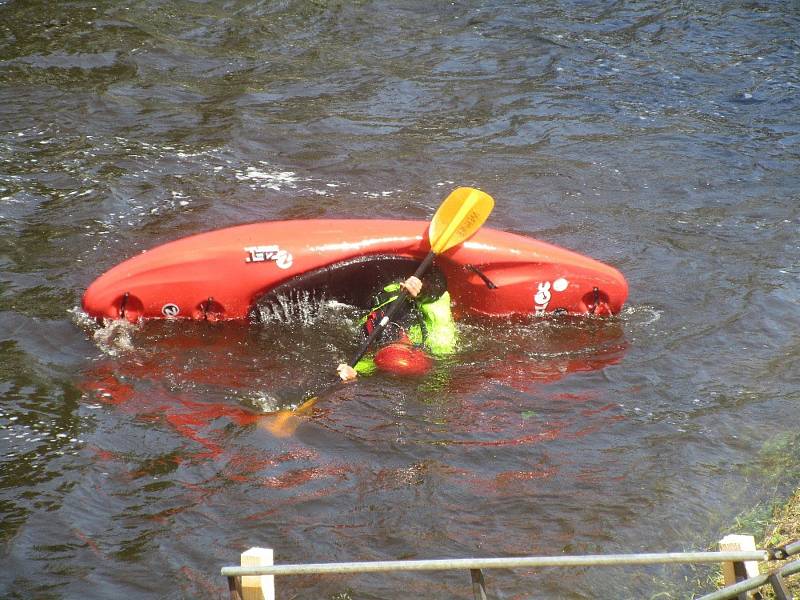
774 578
476 566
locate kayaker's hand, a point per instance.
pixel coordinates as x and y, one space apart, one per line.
346 372
412 285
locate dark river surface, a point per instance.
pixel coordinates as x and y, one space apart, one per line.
662 138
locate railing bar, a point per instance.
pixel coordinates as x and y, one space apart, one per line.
734 590
792 548
751 584
499 563
778 587
791 569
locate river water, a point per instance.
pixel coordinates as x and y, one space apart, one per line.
662 138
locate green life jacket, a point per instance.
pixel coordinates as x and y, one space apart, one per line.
434 330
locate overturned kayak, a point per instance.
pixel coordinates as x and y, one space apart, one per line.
223 274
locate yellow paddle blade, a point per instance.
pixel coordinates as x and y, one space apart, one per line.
461 214
283 423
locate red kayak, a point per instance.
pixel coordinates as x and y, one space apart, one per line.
222 274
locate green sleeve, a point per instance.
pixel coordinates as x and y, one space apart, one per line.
366 366
439 323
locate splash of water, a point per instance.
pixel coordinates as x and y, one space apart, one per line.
112 337
263 402
641 315
299 307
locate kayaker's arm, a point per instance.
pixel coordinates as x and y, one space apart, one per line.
441 338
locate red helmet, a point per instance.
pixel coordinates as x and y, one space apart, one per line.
403 359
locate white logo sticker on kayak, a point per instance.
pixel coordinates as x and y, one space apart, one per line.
282 258
543 293
170 310
542 297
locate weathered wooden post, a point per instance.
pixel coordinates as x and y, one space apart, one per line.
738 571
258 587
478 585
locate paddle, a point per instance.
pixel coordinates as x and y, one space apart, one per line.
460 215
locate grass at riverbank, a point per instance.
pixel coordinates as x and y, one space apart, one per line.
785 528
778 524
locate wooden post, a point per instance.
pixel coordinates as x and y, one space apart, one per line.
258 587
738 571
478 585
234 588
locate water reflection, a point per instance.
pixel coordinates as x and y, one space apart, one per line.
499 374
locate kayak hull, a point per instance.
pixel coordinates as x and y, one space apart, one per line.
222 274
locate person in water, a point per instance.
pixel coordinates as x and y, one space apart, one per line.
425 321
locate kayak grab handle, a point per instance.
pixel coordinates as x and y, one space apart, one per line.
596 303
209 310
123 303
127 306
489 283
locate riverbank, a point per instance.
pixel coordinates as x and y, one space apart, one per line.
785 528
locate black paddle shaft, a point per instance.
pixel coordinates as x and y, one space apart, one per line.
391 311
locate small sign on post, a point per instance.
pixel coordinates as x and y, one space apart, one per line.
258 587
733 572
